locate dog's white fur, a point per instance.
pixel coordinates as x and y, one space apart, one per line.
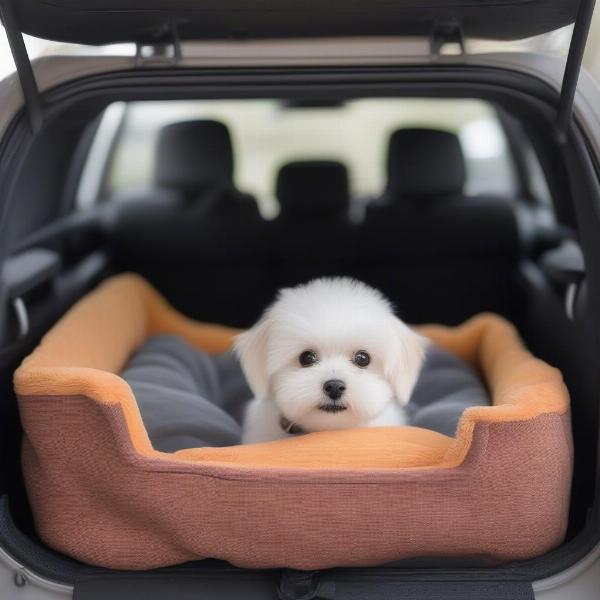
334 318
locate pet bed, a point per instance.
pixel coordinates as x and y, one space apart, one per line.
208 393
101 493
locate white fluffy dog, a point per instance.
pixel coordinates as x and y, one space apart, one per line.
329 354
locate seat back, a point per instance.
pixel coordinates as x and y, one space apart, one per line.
440 255
312 235
204 245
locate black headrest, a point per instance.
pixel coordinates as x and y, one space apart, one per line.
313 188
425 162
193 155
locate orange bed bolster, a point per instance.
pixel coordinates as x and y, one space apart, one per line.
84 439
86 350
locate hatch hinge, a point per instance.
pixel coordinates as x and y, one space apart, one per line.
164 49
31 94
573 67
447 33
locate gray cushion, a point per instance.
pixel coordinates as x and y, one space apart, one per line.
446 387
187 398
191 399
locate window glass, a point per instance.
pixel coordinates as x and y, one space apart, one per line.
267 134
489 169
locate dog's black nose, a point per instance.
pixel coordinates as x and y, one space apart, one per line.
334 388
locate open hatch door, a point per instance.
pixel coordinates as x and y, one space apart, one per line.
153 22
147 21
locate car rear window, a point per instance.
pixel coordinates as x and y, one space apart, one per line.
269 133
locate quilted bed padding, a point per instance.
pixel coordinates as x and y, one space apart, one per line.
208 393
101 493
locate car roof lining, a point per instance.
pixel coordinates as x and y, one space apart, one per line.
153 21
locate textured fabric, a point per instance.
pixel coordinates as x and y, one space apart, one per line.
208 393
85 350
446 387
100 493
507 501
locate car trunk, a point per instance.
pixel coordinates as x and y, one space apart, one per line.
41 156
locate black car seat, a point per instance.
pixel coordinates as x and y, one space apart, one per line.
205 247
312 236
439 254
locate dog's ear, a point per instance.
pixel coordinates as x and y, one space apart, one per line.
251 348
405 364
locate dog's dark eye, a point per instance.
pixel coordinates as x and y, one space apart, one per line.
308 358
361 359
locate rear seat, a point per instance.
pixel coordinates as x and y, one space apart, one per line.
440 255
312 235
207 243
